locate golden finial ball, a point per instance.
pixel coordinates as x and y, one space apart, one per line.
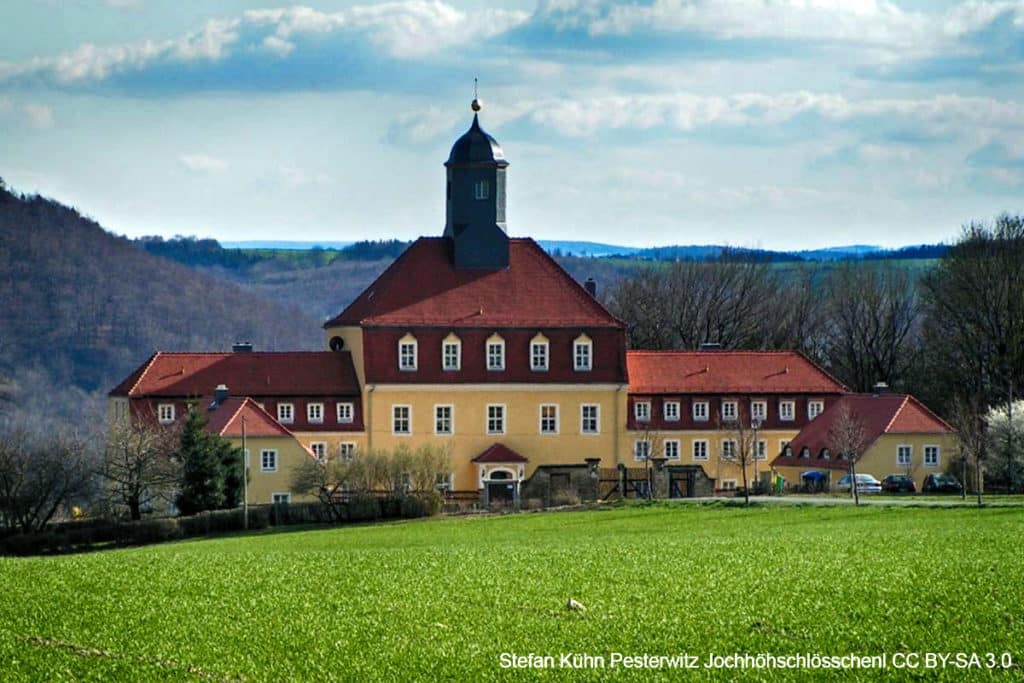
477 105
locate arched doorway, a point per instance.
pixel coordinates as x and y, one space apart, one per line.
501 486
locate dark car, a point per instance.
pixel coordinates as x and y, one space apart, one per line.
941 483
899 483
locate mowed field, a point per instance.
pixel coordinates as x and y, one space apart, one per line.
441 599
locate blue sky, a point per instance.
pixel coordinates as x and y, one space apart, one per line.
771 123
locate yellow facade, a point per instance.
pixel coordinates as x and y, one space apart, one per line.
522 422
263 484
882 458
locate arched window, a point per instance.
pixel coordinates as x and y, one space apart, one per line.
539 347
582 353
451 353
407 353
495 352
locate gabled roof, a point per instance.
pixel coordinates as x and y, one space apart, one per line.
726 372
879 413
320 373
227 418
422 287
499 453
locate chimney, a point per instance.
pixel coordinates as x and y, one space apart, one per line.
242 347
220 394
880 388
710 346
591 287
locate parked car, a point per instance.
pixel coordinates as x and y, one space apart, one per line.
865 484
899 483
941 483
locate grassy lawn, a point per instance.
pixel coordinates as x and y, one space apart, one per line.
441 599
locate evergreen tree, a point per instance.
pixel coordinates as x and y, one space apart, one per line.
211 477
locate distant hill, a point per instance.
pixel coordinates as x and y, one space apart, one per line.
82 307
284 244
570 248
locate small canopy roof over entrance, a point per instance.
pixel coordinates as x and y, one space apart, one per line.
499 453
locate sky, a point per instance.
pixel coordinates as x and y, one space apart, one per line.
777 124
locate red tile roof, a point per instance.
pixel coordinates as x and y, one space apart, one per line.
880 414
499 453
726 372
423 288
226 419
322 373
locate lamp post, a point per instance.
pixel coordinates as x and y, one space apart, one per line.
245 480
756 424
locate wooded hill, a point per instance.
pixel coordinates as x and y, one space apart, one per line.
82 308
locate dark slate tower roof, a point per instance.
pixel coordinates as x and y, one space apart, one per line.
476 146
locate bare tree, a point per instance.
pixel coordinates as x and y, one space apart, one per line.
848 439
138 467
969 425
741 447
40 474
873 319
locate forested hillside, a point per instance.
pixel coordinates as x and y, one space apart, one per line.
81 307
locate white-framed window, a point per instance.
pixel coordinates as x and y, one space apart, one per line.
672 449
582 354
481 189
590 418
728 485
165 413
346 413
814 409
700 411
401 420
783 444
642 411
549 418
728 449
495 419
451 354
286 413
729 410
787 410
539 355
700 449
759 410
407 354
319 449
671 411
495 353
268 460
641 450
904 455
278 498
346 450
444 420
761 451
931 456
315 413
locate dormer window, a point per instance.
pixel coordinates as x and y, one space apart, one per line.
451 353
814 409
539 354
407 353
286 413
642 411
495 353
481 189
582 354
729 410
315 413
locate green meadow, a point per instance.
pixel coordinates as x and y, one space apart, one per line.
442 599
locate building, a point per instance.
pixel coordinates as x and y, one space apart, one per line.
901 436
483 343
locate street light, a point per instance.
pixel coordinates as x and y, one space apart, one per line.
756 424
245 480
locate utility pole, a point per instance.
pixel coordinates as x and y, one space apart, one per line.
245 479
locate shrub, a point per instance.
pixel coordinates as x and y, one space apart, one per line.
391 506
532 504
565 498
363 508
154 531
421 505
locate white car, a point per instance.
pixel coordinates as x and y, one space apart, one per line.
865 484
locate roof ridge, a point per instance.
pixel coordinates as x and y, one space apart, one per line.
929 412
231 419
720 352
578 290
152 359
903 404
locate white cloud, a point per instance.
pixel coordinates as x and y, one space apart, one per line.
294 177
39 115
203 163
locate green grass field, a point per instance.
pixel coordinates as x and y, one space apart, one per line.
440 599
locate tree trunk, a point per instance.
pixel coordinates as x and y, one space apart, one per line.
977 478
963 478
135 509
853 483
746 487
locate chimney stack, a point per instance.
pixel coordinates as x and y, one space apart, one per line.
221 393
591 287
242 347
710 346
880 388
